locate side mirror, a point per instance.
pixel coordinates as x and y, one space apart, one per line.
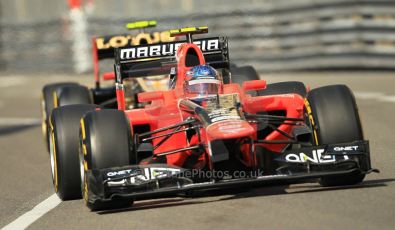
254 85
108 76
150 96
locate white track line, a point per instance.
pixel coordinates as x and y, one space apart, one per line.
42 208
368 95
31 216
388 99
374 96
6 82
7 121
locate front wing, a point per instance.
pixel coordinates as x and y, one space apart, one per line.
158 180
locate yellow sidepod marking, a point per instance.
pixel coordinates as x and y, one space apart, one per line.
55 100
311 118
54 156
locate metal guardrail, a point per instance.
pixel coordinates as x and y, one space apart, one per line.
36 47
271 35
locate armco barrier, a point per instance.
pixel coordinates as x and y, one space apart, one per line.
271 35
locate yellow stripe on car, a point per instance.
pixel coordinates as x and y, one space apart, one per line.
141 24
83 133
44 118
55 100
84 149
200 29
311 118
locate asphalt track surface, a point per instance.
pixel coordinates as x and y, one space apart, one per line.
25 179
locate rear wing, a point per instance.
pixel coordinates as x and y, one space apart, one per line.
159 59
105 45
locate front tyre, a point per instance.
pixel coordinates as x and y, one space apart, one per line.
333 114
64 144
105 142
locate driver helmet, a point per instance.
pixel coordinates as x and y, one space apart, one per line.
201 82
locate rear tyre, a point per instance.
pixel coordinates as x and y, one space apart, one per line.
334 117
64 144
232 65
47 105
244 73
105 141
286 87
72 95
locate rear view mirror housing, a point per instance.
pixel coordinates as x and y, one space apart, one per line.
150 96
108 76
254 85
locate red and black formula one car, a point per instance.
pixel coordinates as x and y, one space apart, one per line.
67 93
202 134
64 124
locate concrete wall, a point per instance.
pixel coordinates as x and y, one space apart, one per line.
272 35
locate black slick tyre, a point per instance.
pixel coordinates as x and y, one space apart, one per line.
72 95
244 73
64 145
47 105
105 141
333 114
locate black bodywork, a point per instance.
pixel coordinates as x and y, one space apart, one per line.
106 96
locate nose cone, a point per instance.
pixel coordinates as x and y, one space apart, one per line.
229 130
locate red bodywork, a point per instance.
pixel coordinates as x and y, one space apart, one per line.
165 110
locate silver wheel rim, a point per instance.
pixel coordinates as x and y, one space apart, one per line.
51 153
82 169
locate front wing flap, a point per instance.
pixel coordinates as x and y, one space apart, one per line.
159 180
332 157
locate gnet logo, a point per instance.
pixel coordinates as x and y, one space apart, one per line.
347 148
118 173
317 157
